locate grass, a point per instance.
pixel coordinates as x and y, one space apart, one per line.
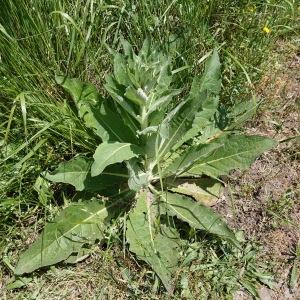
39 127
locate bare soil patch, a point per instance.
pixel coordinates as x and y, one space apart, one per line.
265 201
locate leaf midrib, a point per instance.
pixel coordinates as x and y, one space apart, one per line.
71 229
222 158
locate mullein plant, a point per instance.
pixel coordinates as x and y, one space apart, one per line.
159 148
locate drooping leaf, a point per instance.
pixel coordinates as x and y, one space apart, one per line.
77 173
85 96
113 123
196 215
156 247
95 112
110 153
204 190
73 172
117 93
238 152
77 225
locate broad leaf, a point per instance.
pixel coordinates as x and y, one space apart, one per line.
113 123
84 96
202 94
138 179
77 225
157 248
110 153
238 152
211 78
77 173
95 112
190 156
196 215
241 112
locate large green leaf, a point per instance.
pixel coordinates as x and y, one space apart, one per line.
190 156
211 78
156 247
77 173
113 123
201 98
241 112
138 179
238 152
85 96
111 153
202 119
95 112
195 214
77 225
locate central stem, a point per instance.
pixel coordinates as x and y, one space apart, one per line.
144 125
144 118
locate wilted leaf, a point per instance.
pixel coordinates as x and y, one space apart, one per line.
205 190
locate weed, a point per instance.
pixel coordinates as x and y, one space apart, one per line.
147 127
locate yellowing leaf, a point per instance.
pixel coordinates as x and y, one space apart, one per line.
205 191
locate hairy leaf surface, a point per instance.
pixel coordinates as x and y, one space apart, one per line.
238 152
196 215
202 94
77 225
156 248
111 153
77 173
95 112
190 156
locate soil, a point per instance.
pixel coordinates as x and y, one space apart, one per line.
265 201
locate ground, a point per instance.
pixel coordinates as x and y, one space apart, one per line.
265 201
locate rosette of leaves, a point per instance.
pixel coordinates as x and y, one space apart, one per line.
154 138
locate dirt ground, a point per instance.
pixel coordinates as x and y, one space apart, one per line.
265 201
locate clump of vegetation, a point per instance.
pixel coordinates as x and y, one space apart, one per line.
158 148
40 126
